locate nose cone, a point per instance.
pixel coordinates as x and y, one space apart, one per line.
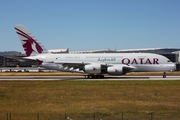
173 67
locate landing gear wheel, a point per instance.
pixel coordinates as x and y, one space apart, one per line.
101 76
90 76
164 75
94 76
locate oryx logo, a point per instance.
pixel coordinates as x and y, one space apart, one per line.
30 45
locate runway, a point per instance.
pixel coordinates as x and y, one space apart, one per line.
83 78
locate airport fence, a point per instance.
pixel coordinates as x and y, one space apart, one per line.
87 116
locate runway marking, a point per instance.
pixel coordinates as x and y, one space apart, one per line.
83 78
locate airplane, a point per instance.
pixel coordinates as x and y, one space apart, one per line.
94 65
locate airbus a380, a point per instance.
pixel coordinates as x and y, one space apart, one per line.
94 65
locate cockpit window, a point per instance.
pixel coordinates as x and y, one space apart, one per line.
168 61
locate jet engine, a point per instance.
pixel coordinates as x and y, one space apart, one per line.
115 70
92 68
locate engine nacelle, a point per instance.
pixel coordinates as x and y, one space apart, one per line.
92 69
115 70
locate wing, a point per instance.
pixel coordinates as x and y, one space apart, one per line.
95 68
73 64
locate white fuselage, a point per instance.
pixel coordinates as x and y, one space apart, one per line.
145 62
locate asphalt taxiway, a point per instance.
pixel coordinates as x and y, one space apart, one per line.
83 78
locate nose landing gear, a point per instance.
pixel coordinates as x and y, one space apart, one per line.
164 75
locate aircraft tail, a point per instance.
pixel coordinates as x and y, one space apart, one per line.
30 44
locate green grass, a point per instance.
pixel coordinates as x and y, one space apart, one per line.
106 98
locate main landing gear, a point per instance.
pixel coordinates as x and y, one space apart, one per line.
92 76
164 75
